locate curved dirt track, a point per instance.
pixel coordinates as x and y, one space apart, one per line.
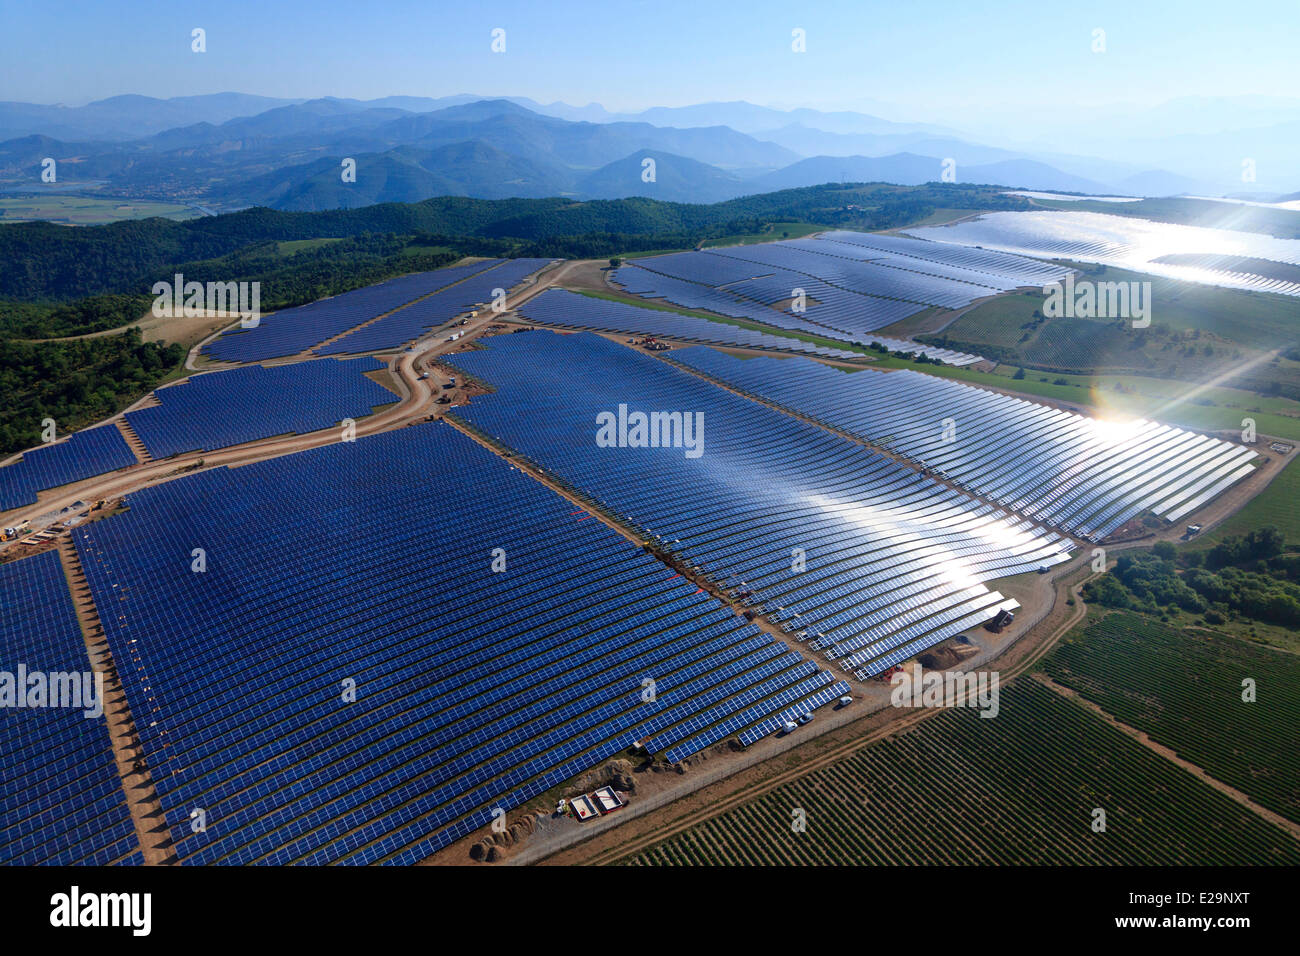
412 405
633 835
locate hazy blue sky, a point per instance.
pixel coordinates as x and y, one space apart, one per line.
931 59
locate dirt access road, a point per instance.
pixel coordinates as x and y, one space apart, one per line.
413 404
695 803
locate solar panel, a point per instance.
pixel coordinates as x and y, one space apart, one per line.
63 801
84 454
219 409
1080 474
882 545
473 691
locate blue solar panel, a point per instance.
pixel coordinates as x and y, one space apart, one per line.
291 331
571 310
408 324
886 552
1082 475
848 285
475 689
85 454
61 796
219 409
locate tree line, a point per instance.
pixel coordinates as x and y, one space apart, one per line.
1253 576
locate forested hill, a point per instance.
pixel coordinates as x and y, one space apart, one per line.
47 263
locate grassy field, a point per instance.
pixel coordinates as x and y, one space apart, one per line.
84 211
1278 504
298 245
1198 333
1256 320
1183 688
997 322
775 233
1020 788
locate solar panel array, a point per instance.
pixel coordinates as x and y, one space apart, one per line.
999 270
84 454
474 690
813 259
240 405
895 562
1076 473
1129 242
295 330
60 793
853 283
408 324
558 307
571 310
846 314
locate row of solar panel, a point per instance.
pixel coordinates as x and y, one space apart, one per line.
846 315
997 269
800 710
850 283
291 331
411 323
857 276
1191 253
765 488
63 801
1081 474
82 455
467 698
570 310
219 409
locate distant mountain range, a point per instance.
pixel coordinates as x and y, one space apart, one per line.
231 150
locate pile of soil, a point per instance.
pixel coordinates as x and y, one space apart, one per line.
946 655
